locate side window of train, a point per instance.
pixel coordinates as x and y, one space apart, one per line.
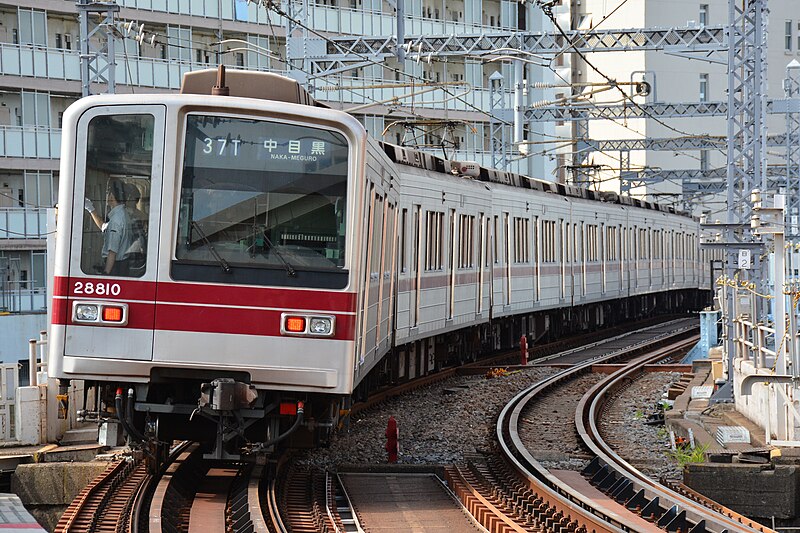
118 174
434 253
402 243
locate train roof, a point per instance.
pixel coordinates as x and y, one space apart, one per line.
407 156
247 84
268 86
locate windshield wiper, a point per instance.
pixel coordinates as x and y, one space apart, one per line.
224 264
289 269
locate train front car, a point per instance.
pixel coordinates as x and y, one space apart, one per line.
204 264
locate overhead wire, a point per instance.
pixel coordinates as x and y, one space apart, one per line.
548 11
452 95
274 55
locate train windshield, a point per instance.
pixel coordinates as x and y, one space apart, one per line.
263 203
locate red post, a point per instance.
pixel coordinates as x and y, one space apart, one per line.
523 350
392 438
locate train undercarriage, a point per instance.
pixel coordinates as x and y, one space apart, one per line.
234 420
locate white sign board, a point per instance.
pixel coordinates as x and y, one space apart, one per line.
744 260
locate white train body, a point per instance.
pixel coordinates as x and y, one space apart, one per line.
254 213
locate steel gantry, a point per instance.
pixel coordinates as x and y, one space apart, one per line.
356 48
667 144
335 54
98 61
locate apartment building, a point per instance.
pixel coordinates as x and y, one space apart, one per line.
157 41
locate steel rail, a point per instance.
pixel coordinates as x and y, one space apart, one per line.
144 496
273 515
350 521
99 487
164 492
555 492
254 501
668 505
538 354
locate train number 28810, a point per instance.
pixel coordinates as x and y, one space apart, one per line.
97 289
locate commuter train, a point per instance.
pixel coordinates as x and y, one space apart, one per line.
237 268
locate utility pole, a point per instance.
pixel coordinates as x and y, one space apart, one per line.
746 158
297 43
497 127
98 63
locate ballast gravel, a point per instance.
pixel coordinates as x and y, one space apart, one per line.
447 422
438 424
647 447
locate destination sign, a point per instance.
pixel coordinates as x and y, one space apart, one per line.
247 144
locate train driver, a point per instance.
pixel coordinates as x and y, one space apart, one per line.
118 236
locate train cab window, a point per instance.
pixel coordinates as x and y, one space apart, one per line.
119 166
262 203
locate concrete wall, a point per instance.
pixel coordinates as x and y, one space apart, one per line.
762 406
16 331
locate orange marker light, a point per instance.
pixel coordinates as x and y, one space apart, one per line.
288 408
112 314
295 324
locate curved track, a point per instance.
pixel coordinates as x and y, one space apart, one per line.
669 509
106 504
640 497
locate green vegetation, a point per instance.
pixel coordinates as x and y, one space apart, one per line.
686 455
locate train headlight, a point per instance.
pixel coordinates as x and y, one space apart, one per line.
321 326
87 312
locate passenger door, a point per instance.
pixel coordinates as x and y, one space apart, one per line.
116 204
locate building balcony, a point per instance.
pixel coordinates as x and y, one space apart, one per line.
338 19
23 228
53 63
20 297
30 142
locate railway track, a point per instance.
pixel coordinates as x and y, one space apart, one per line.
193 494
670 509
515 487
106 504
536 354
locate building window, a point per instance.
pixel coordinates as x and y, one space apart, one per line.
180 43
35 108
32 27
59 44
704 87
14 36
789 38
68 41
703 15
239 59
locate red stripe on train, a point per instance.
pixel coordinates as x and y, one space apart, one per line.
206 319
257 296
195 293
235 321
